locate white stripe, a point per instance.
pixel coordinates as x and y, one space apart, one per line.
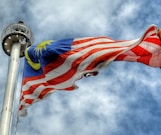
114 44
155 31
106 39
38 91
131 56
150 47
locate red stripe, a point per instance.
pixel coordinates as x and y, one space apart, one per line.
44 92
103 58
33 87
155 41
152 28
80 41
26 79
29 101
70 88
120 57
59 61
144 59
48 90
139 51
143 55
21 107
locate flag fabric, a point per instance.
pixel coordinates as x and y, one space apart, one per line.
56 65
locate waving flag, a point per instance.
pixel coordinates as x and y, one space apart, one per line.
56 65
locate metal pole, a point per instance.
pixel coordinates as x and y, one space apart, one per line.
15 39
5 122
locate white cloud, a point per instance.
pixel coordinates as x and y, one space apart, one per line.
101 103
129 10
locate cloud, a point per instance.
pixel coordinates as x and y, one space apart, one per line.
122 99
64 18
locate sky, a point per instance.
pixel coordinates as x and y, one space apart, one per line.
124 99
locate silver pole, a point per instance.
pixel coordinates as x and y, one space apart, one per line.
15 39
10 90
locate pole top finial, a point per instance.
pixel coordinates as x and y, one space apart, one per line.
20 22
17 32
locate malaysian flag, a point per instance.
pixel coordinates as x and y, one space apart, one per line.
56 65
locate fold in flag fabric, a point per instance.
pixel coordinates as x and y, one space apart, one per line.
56 65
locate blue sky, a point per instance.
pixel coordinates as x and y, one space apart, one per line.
124 99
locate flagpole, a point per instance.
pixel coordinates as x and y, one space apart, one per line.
15 39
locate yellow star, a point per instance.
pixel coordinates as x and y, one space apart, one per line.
41 46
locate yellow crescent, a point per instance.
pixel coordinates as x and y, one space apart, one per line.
35 66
